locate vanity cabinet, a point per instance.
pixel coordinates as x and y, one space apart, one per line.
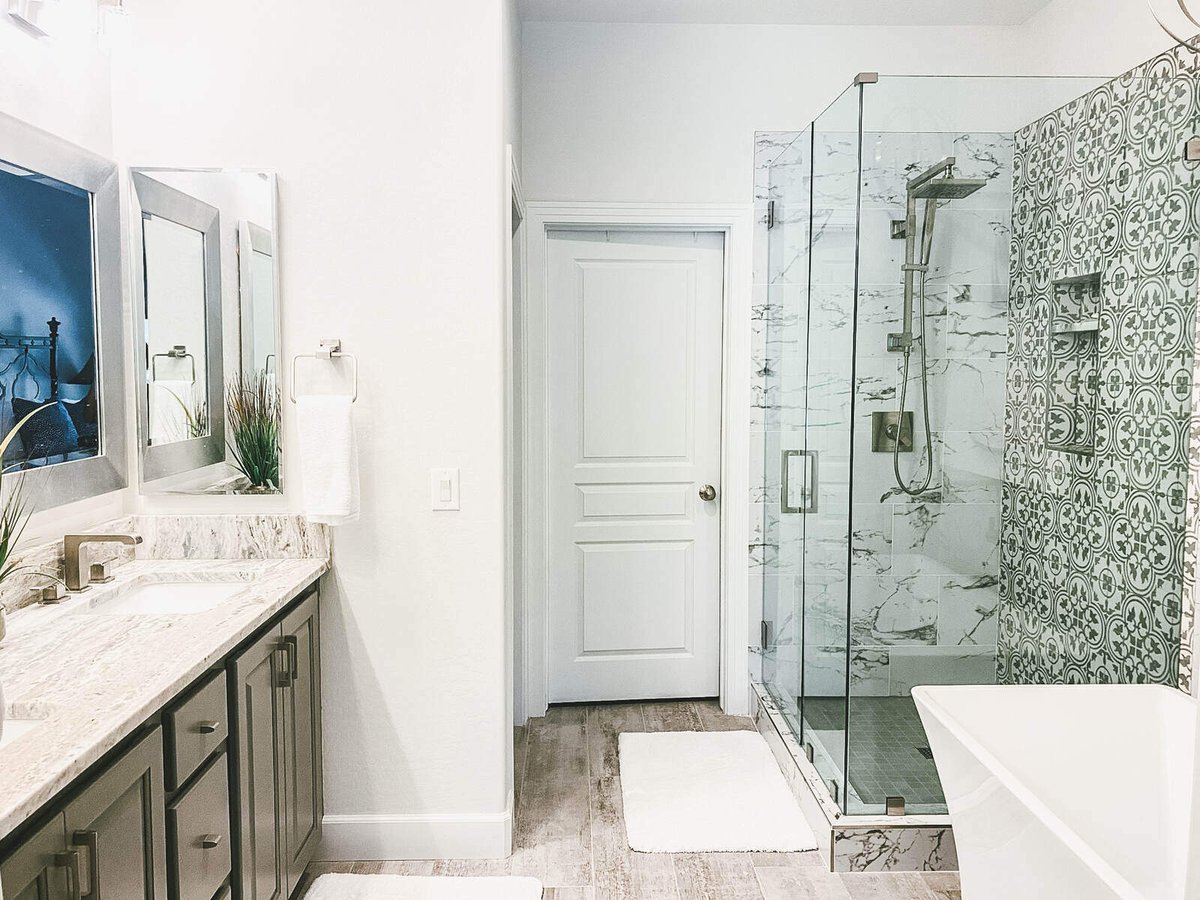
217 796
117 826
109 840
42 867
302 793
276 693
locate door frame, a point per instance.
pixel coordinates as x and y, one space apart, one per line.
736 223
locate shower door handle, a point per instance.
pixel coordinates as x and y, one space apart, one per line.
798 481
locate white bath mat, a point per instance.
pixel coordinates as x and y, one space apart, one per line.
702 791
423 887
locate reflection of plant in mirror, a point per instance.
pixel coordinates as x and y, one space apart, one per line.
14 508
253 418
197 416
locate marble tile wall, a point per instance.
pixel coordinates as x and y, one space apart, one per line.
1093 561
924 570
916 572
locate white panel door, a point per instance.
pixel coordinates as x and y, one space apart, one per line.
635 434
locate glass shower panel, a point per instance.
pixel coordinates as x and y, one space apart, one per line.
898 220
784 317
925 562
827 434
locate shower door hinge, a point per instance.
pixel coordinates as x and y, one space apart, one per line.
764 634
770 214
833 790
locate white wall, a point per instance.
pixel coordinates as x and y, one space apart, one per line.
512 76
668 112
1094 37
61 84
386 126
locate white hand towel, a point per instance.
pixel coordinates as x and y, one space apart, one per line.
328 458
170 404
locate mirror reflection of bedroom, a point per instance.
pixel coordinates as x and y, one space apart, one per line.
47 321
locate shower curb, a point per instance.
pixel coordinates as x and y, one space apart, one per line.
918 843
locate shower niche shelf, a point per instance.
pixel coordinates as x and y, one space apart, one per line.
1074 364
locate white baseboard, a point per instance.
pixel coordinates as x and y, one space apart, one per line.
429 836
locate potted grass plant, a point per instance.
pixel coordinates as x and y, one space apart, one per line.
252 422
15 509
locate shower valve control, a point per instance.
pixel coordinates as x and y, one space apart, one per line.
898 341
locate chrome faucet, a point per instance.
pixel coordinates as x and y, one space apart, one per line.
77 570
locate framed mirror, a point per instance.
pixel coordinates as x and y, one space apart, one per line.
207 299
61 334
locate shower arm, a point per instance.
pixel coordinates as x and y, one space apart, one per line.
945 167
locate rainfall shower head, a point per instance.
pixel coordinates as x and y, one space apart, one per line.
947 188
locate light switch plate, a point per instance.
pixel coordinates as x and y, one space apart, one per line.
443 489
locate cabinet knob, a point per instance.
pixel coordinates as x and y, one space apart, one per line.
206 727
209 841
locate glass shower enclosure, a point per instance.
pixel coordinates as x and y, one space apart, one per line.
886 271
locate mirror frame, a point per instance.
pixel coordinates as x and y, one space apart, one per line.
153 197
38 151
251 239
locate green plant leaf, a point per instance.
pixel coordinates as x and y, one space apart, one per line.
14 508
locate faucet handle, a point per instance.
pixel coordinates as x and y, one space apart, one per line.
98 574
51 593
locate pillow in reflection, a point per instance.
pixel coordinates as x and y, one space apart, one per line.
84 420
49 433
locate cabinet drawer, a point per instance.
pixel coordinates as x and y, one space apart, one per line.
198 826
195 727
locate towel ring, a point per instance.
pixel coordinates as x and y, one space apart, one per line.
179 351
329 348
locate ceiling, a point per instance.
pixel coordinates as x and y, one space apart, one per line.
785 12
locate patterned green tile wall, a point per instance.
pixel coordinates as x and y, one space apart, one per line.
1092 535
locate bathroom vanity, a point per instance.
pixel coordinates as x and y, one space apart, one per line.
163 725
163 735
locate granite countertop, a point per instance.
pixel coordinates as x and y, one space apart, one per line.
93 679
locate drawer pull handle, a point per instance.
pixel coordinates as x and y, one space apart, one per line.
283 675
207 727
90 840
70 862
209 841
292 643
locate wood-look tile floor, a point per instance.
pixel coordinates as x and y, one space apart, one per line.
570 831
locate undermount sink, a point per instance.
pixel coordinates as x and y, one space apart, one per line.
18 722
15 728
164 598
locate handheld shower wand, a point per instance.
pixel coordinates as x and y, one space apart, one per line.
934 184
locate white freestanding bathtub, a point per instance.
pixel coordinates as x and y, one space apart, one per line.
1065 792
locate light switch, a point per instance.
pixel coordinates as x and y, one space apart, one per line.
443 488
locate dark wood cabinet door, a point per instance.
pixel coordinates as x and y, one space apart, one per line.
117 826
303 806
258 678
42 867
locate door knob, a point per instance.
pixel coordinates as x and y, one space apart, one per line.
708 492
